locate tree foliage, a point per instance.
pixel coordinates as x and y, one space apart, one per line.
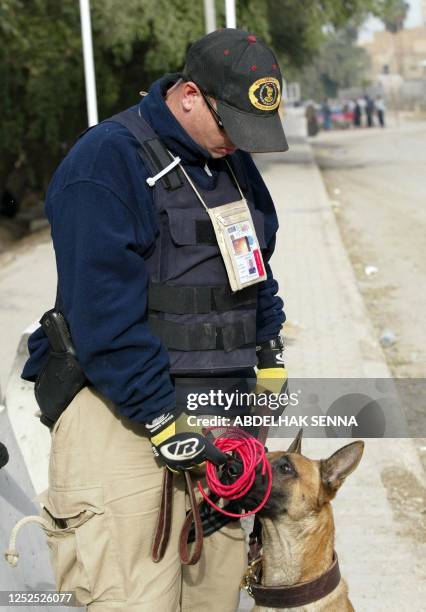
393 14
297 35
42 89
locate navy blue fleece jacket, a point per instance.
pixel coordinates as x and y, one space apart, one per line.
103 222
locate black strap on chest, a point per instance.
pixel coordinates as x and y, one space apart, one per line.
163 297
204 336
156 152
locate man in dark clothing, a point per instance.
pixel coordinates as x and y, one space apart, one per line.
357 114
369 111
143 287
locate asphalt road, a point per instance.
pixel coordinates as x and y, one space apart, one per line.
376 179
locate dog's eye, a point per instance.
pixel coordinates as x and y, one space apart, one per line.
286 468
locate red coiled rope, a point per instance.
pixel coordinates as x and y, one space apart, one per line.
251 452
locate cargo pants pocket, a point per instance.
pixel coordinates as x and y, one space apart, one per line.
82 545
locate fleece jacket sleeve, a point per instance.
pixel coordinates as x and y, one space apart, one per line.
103 282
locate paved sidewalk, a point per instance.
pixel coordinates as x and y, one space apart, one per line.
28 288
382 557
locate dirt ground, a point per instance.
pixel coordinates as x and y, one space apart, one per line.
12 242
376 181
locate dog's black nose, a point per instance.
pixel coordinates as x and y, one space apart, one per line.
231 470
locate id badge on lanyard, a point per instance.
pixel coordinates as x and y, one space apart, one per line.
237 240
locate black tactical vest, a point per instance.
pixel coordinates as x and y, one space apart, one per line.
204 325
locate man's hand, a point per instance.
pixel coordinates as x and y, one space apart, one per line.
180 446
272 373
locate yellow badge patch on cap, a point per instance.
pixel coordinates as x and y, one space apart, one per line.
265 93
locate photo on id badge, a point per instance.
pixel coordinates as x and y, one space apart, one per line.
245 251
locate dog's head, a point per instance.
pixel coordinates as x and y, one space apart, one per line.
301 486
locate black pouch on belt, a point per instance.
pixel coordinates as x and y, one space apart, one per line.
61 378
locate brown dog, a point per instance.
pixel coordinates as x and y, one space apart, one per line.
298 526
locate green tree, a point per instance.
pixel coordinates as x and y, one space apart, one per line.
40 84
41 69
42 77
393 14
298 33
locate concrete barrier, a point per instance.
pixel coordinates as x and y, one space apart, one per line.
32 437
21 479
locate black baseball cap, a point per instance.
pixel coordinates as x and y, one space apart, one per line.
242 74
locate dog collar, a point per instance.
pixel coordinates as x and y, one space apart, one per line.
293 596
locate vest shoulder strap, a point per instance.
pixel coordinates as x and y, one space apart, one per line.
154 149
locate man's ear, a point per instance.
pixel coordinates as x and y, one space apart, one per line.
336 468
296 445
190 93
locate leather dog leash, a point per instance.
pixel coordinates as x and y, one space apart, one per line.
164 522
193 516
297 595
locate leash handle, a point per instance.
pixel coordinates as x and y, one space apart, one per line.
193 516
164 520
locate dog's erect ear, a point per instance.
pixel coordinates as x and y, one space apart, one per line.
336 468
296 445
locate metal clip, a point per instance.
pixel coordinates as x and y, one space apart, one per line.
250 576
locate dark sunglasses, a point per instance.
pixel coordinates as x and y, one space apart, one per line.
213 111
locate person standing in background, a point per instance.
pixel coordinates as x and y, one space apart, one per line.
369 110
362 104
311 119
326 114
357 114
381 109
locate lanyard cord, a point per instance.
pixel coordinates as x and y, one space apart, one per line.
197 193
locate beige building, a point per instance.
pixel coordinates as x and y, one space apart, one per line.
403 53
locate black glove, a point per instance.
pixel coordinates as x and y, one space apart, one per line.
180 446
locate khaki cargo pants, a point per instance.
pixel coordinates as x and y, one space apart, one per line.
105 483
